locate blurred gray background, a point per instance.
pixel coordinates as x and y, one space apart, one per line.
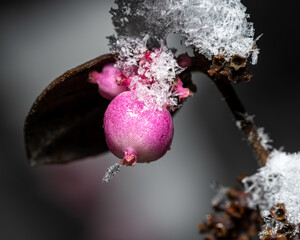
165 199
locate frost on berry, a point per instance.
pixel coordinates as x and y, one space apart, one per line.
156 78
152 73
130 50
278 182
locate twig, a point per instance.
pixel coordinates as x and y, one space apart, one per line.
244 120
246 123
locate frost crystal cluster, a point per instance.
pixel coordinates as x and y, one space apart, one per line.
152 74
215 27
264 138
160 71
276 183
212 27
130 50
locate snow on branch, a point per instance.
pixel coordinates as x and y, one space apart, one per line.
278 182
212 27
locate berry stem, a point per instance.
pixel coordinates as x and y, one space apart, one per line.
130 158
246 123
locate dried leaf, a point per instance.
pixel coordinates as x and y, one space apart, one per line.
65 121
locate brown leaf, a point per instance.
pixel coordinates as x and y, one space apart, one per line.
65 121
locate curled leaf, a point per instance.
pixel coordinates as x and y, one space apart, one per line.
65 121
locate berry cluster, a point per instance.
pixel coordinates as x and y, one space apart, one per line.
138 124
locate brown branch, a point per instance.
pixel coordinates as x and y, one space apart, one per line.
243 119
245 122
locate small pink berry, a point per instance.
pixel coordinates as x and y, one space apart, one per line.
134 132
184 61
107 81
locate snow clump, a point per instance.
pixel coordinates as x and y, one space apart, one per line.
278 182
212 27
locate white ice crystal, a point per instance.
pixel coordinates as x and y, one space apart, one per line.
264 138
216 27
130 50
212 27
278 182
160 74
153 73
112 171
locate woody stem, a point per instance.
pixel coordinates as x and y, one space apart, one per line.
245 123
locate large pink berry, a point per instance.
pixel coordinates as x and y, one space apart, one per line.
136 133
107 81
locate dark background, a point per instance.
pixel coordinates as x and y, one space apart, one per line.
163 200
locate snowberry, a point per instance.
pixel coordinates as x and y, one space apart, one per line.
135 132
107 81
184 61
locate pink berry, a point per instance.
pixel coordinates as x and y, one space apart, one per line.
107 81
136 133
184 61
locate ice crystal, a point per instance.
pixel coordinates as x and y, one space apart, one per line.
247 117
212 27
130 50
152 73
264 138
160 73
216 27
111 171
278 182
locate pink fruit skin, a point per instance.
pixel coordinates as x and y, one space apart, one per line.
106 80
131 127
184 61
